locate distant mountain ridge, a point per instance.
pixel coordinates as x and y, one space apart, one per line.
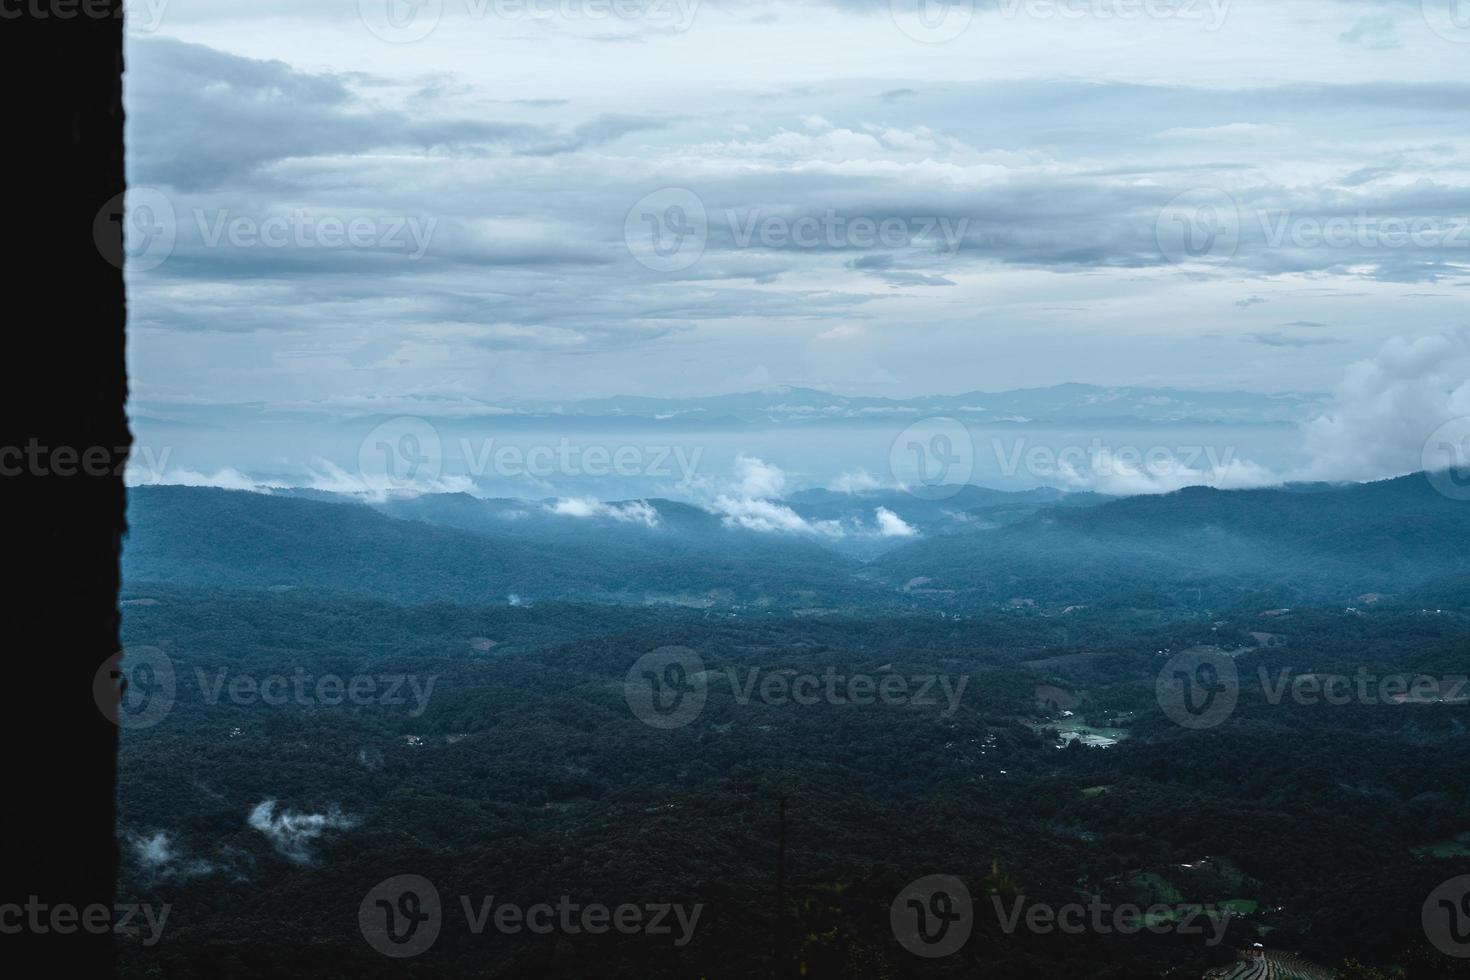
790 406
1058 403
978 547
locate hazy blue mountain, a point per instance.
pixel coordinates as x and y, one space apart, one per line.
979 547
780 406
1316 541
210 537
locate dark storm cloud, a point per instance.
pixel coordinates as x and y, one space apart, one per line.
214 119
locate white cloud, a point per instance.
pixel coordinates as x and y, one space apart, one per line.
748 504
293 833
858 481
1128 474
632 512
160 857
1386 408
140 473
768 515
153 851
758 478
890 525
328 476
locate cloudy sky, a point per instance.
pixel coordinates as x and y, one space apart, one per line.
503 200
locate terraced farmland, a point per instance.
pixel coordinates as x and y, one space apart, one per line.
1270 964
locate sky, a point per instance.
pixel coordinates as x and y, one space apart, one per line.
504 200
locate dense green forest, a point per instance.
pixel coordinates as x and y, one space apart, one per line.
356 692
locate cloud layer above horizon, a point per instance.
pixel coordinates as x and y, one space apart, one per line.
535 201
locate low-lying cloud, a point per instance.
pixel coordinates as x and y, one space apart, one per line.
629 512
1387 407
160 856
293 834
